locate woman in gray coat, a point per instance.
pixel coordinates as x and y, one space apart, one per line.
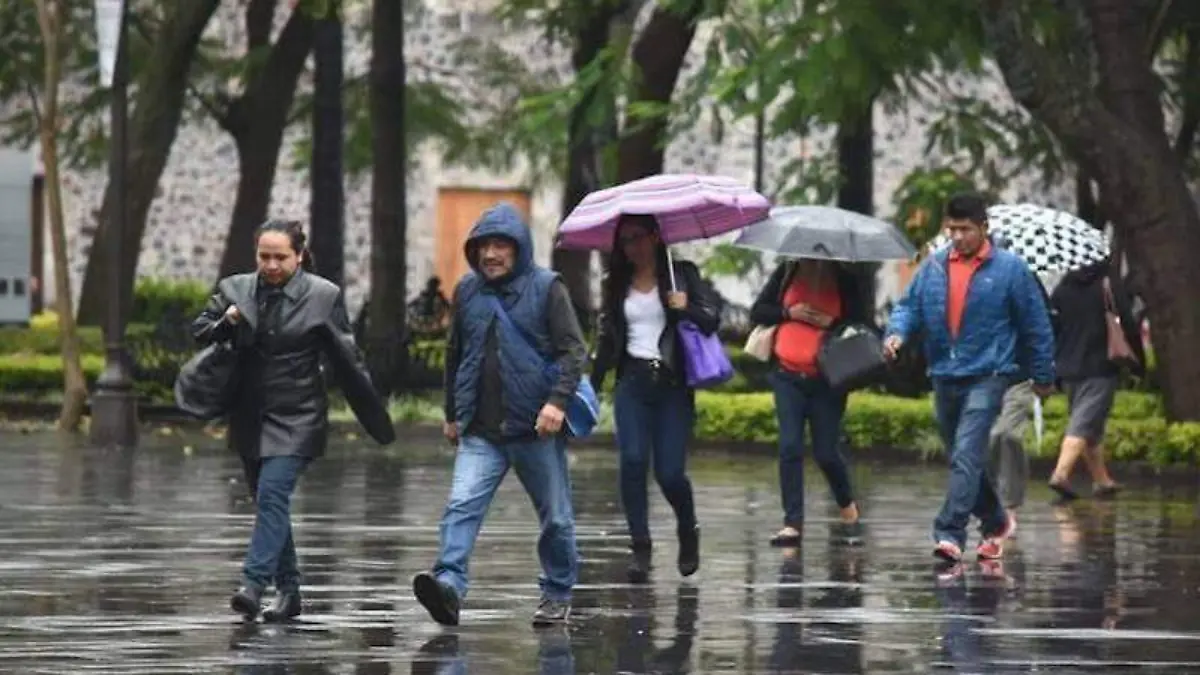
281 321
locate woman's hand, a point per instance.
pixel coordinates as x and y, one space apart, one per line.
677 300
803 312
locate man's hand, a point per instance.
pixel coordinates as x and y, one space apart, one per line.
1043 390
677 300
550 420
891 347
450 431
233 314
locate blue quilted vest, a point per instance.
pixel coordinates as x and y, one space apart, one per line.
526 385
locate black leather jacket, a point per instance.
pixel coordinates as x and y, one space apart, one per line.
280 403
703 309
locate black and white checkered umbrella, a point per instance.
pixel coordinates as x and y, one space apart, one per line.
1050 241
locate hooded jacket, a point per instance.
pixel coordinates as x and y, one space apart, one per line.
495 386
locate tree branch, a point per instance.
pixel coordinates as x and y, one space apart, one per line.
1050 87
260 16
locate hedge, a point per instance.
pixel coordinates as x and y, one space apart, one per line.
1136 430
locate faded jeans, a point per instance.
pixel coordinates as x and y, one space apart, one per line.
966 410
541 466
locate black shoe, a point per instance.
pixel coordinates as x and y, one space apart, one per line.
287 606
247 601
638 571
689 551
551 613
784 540
437 598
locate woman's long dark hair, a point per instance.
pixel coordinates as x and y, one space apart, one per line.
620 269
295 234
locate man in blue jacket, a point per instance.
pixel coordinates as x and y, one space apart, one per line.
985 324
506 408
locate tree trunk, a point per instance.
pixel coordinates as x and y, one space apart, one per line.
856 188
327 210
387 315
50 19
658 57
161 91
584 162
1116 133
257 121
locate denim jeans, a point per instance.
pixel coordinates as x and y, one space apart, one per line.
541 466
966 410
272 553
654 418
799 402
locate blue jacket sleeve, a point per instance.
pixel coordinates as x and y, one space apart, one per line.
1034 331
906 316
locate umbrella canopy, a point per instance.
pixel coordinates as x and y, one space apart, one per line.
826 233
686 206
1050 241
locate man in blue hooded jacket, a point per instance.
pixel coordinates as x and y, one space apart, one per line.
986 327
514 358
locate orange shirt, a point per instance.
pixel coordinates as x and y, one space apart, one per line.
797 343
961 270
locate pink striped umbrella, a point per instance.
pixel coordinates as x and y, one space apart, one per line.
687 207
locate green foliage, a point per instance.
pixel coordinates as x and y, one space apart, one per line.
921 199
31 374
1137 432
155 300
43 338
727 260
83 110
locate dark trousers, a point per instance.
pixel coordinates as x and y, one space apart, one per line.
800 402
271 556
654 417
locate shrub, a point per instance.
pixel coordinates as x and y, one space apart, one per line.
158 300
42 338
1136 432
33 374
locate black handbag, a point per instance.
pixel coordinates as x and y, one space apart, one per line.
851 357
207 383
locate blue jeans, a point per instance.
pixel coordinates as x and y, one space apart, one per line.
654 418
272 553
541 466
799 402
966 410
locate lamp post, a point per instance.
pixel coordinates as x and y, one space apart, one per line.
114 405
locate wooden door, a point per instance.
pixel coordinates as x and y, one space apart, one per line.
457 211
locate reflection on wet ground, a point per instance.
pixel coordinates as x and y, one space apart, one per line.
122 563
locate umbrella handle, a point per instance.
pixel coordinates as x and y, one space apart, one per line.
671 269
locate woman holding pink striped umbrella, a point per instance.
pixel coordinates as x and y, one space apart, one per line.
655 315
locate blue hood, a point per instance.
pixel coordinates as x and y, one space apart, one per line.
502 220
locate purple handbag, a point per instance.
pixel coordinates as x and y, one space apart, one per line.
704 358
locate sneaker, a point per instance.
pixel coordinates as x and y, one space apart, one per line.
992 546
850 534
439 599
551 612
948 551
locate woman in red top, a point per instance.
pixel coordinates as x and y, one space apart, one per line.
804 298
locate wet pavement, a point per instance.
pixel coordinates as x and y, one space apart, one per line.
123 563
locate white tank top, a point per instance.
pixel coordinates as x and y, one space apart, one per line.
646 320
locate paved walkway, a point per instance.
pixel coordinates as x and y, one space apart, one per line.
114 563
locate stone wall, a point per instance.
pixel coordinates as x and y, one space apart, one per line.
188 220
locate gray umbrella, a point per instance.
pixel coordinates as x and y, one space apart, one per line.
826 233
